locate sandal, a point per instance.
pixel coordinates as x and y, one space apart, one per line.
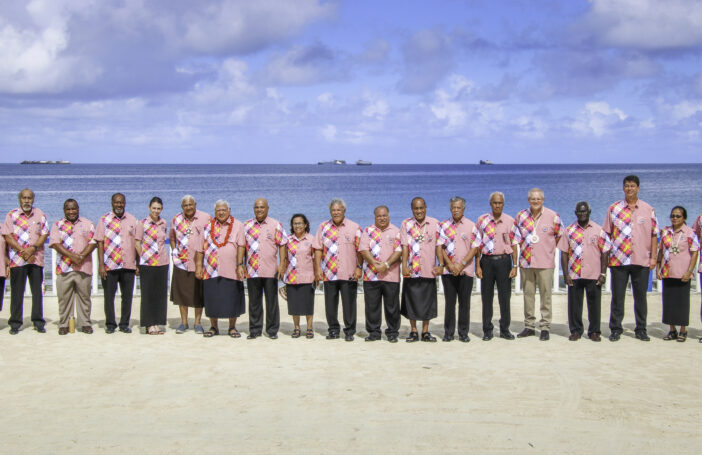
412 337
682 336
234 333
426 336
152 330
296 333
672 335
310 334
211 332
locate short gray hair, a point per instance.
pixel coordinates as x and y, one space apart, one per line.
536 190
222 202
337 201
496 193
187 197
19 195
458 199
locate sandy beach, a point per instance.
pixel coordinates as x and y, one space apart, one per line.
172 394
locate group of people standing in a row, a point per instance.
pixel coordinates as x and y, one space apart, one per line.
213 255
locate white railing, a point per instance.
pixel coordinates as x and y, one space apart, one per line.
558 286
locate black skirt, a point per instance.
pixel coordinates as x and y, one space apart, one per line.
224 297
154 295
186 290
418 298
300 299
676 301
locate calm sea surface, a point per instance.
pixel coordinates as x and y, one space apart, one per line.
308 188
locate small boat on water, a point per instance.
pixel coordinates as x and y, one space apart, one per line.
363 163
335 162
486 162
45 162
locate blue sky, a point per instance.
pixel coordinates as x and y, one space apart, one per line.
446 81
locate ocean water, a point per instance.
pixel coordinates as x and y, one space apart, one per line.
308 188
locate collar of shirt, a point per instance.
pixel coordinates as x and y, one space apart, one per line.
31 212
343 222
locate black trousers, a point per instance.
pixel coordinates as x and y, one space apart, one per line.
639 286
125 279
18 283
379 295
496 271
347 289
2 290
575 306
459 287
258 287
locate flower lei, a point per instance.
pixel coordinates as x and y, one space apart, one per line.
226 237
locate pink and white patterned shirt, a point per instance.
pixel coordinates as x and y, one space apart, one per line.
630 232
74 237
188 234
685 242
221 261
300 260
118 237
26 230
339 245
152 235
381 244
548 228
585 247
262 242
458 239
420 240
3 256
495 236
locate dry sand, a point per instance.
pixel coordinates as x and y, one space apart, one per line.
185 394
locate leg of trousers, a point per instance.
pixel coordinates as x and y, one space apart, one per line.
65 287
373 297
457 287
450 295
620 278
544 279
255 288
594 306
74 290
126 288
576 293
529 290
18 280
348 290
391 300
125 279
269 286
639 287
496 271
2 290
349 293
487 291
331 306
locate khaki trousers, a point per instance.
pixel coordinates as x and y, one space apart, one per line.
530 279
74 287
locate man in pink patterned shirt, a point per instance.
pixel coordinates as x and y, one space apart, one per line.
338 263
380 247
117 261
72 238
633 229
459 240
419 236
265 243
584 255
25 232
537 231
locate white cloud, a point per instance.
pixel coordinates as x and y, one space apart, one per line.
686 109
376 107
329 133
646 24
428 58
304 65
598 118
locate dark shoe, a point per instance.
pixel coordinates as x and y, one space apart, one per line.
252 336
309 334
296 333
211 332
614 336
14 331
642 336
447 338
125 329
273 337
507 335
63 330
426 336
544 335
672 335
233 332
488 336
348 338
596 337
392 339
109 330
464 338
575 336
412 337
682 336
40 328
333 336
372 338
526 333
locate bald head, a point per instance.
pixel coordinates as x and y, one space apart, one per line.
261 209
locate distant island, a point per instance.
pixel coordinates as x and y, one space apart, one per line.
45 162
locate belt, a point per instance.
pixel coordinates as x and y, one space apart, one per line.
495 256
